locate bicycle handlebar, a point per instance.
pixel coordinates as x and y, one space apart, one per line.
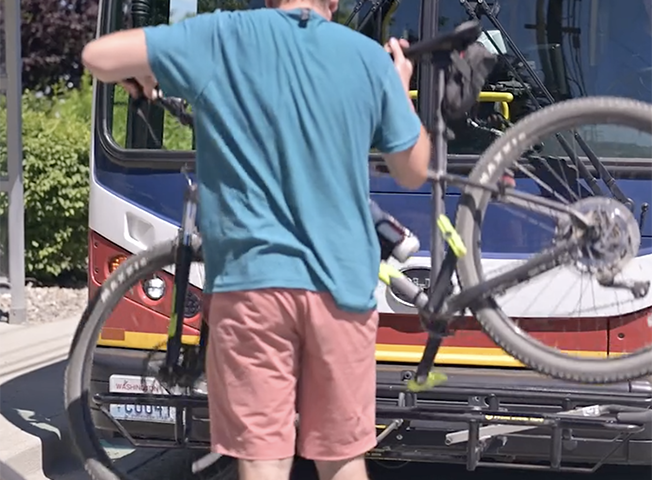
176 106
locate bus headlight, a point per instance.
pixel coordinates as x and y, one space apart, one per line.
154 287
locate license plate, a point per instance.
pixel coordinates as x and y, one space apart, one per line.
134 385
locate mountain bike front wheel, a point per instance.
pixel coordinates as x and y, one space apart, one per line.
80 407
512 335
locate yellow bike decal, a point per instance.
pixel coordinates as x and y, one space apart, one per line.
451 236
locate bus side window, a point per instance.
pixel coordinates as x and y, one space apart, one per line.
397 19
128 130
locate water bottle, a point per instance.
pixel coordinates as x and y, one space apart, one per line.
395 239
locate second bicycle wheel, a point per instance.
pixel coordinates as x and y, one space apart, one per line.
526 335
106 444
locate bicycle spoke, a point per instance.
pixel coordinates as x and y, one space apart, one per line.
538 264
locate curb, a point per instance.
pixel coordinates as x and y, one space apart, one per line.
34 439
33 425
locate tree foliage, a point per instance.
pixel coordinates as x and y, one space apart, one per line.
53 33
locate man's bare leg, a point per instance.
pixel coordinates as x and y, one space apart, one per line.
265 469
351 469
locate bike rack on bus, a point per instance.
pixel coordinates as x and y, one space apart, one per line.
488 426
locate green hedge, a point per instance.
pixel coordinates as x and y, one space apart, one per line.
56 140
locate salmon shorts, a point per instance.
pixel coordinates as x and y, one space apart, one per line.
274 353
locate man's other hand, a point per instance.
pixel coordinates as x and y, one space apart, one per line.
404 67
148 88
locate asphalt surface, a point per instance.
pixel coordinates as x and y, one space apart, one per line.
176 466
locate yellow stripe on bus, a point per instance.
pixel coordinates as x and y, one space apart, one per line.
470 356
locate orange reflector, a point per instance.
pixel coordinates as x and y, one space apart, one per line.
112 334
115 262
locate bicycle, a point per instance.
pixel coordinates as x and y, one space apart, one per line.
596 235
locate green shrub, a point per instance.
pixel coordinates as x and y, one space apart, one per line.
56 142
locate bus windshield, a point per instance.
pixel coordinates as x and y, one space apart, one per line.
577 48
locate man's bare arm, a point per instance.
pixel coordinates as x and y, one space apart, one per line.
118 56
410 167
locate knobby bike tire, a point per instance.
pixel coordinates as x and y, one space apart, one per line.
8 473
80 361
502 154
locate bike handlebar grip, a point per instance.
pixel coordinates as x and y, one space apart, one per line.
141 99
643 417
135 84
464 35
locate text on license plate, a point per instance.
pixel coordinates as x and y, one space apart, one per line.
134 385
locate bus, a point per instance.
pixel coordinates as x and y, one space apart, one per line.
574 48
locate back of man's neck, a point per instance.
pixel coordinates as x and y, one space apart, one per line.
293 5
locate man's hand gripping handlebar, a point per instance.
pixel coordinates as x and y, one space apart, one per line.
177 107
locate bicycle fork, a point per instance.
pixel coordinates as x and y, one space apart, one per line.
182 263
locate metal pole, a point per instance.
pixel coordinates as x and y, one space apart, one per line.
16 217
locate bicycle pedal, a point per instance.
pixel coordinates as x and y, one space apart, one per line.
433 379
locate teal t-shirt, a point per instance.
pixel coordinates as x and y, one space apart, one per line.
287 107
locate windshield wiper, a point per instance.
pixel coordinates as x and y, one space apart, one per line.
376 5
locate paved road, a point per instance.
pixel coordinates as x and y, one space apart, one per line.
448 472
177 467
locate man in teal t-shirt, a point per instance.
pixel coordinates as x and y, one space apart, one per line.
287 106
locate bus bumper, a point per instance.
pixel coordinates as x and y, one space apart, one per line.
479 416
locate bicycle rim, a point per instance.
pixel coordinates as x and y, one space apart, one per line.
77 399
472 210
